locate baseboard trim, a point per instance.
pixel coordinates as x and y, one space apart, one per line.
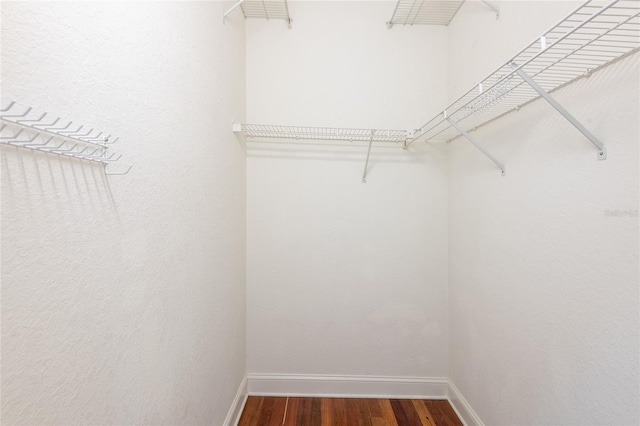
235 411
462 407
347 386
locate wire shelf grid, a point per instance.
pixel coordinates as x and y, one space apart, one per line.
261 131
596 34
23 128
425 12
267 9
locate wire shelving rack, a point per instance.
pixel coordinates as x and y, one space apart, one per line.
424 12
268 131
429 12
596 34
24 128
263 9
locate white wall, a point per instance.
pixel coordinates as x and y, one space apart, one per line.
123 297
543 283
344 277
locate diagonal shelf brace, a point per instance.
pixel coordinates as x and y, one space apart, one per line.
493 6
602 149
475 143
234 7
364 174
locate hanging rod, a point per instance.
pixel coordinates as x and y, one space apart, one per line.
594 35
24 129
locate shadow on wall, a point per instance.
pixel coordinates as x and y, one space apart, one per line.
41 184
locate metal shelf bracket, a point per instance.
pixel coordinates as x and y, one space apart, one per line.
231 9
493 6
366 164
475 143
602 150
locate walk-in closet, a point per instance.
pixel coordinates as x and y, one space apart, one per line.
320 212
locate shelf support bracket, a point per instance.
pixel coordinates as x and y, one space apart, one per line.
602 149
475 143
364 174
494 7
234 7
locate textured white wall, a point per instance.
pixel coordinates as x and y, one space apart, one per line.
543 284
344 277
123 298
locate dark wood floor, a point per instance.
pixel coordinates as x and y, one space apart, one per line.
278 411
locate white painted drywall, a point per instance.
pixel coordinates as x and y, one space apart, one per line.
543 281
346 278
123 298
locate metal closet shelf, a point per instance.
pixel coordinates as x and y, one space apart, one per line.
22 128
256 132
429 12
253 132
262 9
596 34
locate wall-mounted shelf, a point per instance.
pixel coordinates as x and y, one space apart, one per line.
429 12
258 9
424 12
257 132
596 34
270 131
23 128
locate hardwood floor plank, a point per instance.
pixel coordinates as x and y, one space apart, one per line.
387 412
291 415
443 414
375 410
326 410
425 416
340 412
358 412
412 415
404 417
297 411
316 411
272 411
251 411
308 412
304 412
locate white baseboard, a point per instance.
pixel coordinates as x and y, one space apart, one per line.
462 407
347 386
235 411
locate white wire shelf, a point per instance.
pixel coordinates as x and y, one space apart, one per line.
261 132
424 12
266 9
263 9
24 128
596 34
255 132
